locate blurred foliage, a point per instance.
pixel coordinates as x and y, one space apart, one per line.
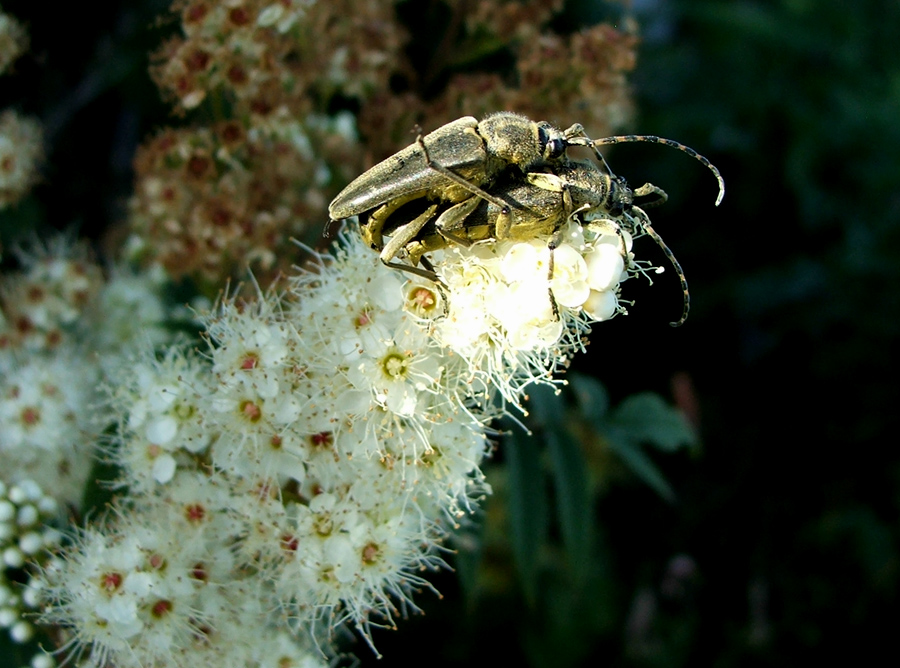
773 538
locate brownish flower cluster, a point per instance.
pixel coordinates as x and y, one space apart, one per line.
40 304
211 199
21 152
564 79
276 56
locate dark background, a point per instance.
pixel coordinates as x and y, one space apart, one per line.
784 527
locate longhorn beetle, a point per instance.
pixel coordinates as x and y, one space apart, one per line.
503 177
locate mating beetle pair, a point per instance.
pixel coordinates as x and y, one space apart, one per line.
504 177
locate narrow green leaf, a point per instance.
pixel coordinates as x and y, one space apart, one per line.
467 558
527 508
573 500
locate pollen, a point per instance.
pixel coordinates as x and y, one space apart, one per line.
251 411
370 554
394 365
110 582
195 513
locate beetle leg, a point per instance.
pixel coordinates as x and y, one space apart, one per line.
453 219
406 233
650 190
553 303
417 271
425 271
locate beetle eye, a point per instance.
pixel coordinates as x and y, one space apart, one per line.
555 148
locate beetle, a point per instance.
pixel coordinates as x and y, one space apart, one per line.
503 177
463 158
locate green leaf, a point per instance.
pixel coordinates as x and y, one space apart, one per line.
646 418
573 500
593 400
640 464
527 508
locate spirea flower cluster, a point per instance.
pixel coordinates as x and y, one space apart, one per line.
258 52
21 137
304 473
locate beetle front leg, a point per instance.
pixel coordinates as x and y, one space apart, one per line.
406 233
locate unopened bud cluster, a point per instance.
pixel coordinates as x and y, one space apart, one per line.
25 538
517 311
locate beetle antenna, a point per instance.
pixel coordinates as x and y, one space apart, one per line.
644 222
579 138
652 139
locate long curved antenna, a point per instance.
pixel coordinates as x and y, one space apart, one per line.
653 139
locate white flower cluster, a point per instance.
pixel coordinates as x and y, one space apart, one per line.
47 409
301 476
24 537
60 326
303 473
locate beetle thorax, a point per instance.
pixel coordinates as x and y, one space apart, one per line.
511 139
621 196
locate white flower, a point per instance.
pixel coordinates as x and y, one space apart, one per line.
570 277
397 369
601 305
130 311
161 408
605 266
